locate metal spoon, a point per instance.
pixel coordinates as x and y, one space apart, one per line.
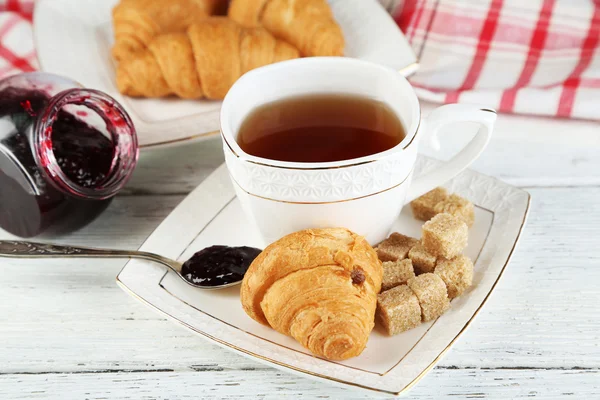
22 249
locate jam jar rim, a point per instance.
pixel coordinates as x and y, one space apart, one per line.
120 127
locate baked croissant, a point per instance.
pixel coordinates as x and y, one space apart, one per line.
204 62
319 286
308 24
137 22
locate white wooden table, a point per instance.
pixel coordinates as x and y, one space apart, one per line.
67 330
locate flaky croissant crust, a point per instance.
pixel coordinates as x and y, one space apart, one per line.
319 286
307 24
205 61
137 22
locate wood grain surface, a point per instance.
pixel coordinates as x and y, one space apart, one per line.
67 330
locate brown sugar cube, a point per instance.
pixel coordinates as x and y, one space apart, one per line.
423 207
398 310
396 273
459 207
395 248
456 273
422 260
445 236
431 292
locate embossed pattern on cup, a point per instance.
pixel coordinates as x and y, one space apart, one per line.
320 185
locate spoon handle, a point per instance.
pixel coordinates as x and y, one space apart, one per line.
16 248
23 249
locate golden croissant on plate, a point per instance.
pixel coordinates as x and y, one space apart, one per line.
307 24
203 62
137 22
320 287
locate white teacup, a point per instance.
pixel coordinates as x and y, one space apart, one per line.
365 194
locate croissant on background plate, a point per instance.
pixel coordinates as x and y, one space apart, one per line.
307 24
137 22
320 287
203 62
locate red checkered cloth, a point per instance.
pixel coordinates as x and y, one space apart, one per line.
523 56
17 53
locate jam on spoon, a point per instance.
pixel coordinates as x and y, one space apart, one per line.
219 265
212 268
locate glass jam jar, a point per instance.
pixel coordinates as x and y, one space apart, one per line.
65 152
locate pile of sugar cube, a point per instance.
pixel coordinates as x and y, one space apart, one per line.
420 277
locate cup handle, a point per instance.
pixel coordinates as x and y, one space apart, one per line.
440 117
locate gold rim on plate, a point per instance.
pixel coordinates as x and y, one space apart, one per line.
324 377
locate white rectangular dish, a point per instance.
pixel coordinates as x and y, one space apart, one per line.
211 214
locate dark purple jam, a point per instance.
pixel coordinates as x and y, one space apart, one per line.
29 202
219 265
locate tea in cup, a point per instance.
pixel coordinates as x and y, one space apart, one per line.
331 141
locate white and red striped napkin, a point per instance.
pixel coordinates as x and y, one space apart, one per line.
522 56
17 52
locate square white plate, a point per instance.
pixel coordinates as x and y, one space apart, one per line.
211 214
74 37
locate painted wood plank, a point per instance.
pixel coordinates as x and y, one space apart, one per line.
531 151
266 384
175 169
71 317
125 224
